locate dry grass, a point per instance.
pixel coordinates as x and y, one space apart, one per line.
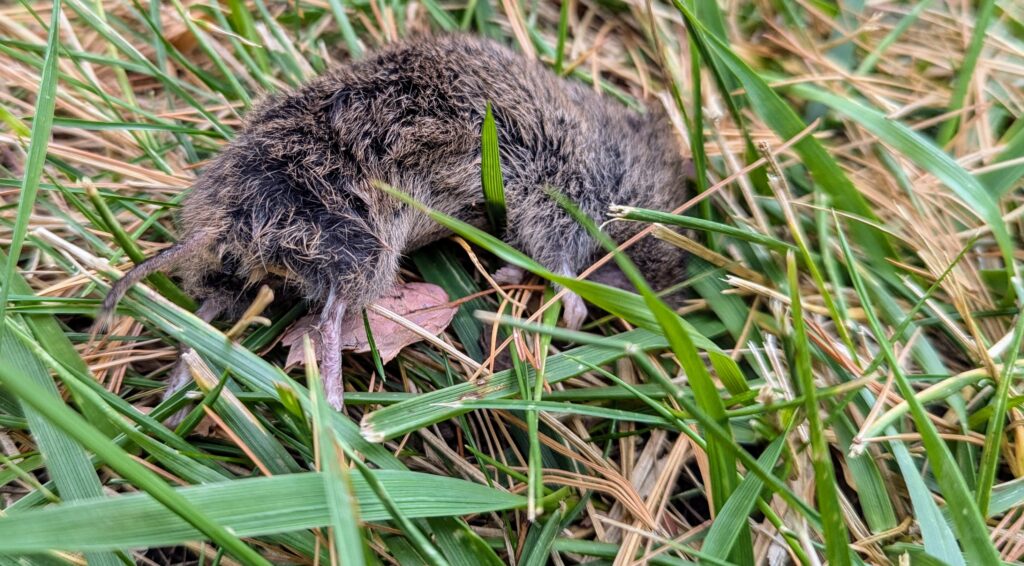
638 487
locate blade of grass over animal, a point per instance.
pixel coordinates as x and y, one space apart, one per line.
46 100
924 153
461 545
967 520
253 371
837 545
616 301
250 507
346 535
708 399
965 75
435 406
700 225
994 433
781 118
490 168
81 431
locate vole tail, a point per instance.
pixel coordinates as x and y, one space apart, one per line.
158 263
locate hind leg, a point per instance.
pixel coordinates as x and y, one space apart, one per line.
330 349
557 242
180 375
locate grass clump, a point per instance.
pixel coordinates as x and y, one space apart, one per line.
841 384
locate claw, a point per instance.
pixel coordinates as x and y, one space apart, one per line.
574 311
509 275
180 374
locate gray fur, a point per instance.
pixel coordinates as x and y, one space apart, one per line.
290 200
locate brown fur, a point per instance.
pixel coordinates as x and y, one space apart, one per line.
291 199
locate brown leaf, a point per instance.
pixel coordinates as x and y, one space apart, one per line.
421 303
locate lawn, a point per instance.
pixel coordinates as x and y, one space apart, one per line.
841 384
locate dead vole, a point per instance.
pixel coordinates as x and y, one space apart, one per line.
291 200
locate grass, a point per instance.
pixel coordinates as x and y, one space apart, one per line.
841 384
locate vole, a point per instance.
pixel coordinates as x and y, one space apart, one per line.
292 199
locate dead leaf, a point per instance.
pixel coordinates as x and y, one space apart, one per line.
422 303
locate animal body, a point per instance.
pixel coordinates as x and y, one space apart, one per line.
292 201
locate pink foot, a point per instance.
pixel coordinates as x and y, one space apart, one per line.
330 351
509 275
574 311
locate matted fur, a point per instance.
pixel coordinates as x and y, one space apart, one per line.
291 198
292 194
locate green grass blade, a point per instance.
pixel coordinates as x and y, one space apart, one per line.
340 499
1001 181
700 225
967 520
706 395
250 507
90 438
68 464
734 515
46 100
994 434
868 63
490 166
923 152
837 539
539 541
442 404
966 72
784 121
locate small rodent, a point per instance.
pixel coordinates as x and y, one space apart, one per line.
291 202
